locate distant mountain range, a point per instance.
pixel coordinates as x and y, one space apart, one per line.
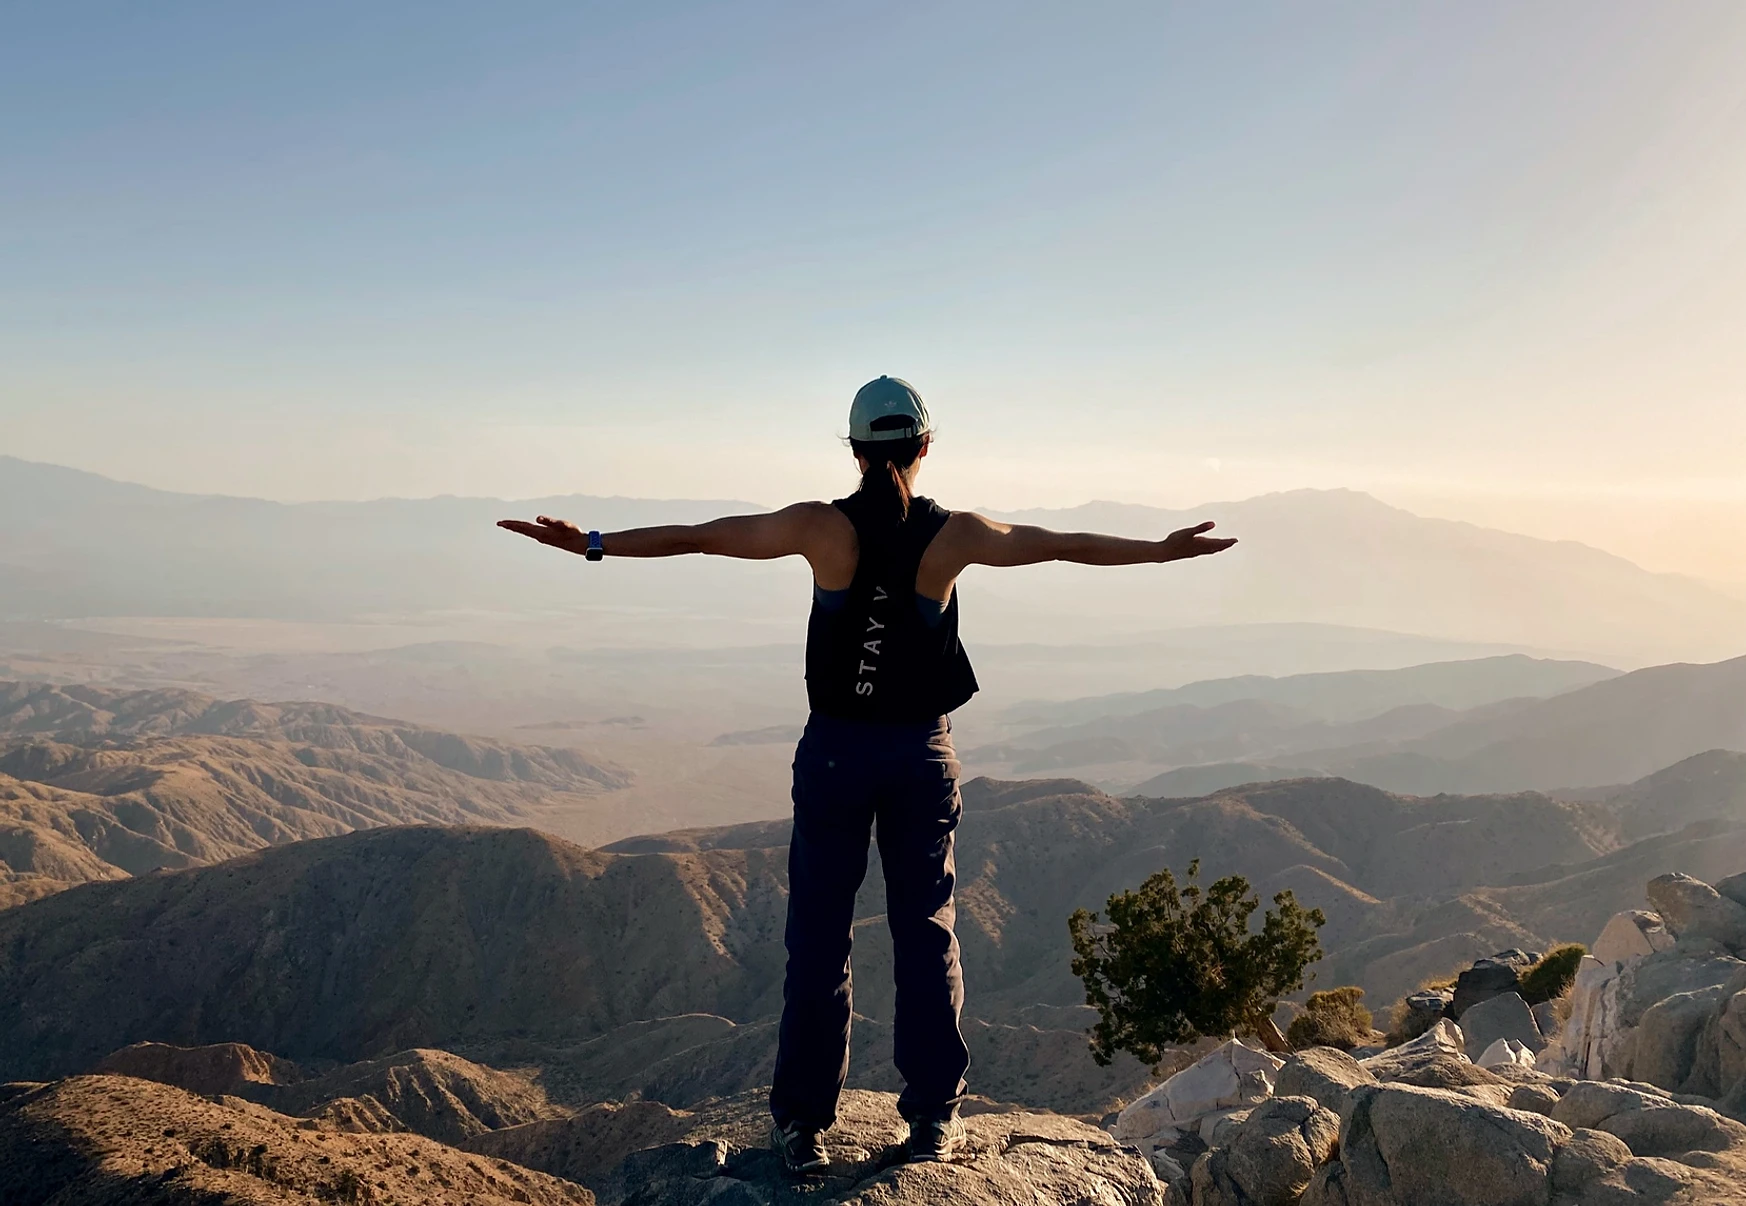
1339 696
1593 727
76 544
1343 557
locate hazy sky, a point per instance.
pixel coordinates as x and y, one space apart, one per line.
1483 260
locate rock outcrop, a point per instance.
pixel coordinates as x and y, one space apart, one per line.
1489 978
1231 1077
1424 1147
1271 1158
1423 1125
1505 1016
1663 999
1321 1074
720 1154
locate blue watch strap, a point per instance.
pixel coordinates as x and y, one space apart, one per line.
596 550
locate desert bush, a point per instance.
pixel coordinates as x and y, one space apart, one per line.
1553 975
1173 963
1334 1018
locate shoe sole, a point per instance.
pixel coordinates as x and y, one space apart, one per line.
944 1157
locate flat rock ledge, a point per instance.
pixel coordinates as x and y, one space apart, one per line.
720 1154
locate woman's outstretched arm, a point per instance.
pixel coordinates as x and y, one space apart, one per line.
812 530
979 540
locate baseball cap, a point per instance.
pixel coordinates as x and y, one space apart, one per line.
887 409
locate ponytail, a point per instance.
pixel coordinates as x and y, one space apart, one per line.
889 466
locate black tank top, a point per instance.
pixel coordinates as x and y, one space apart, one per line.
874 658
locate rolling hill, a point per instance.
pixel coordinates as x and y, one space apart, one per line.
100 784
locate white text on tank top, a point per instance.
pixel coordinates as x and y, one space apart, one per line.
870 646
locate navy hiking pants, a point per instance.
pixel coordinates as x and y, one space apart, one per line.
850 778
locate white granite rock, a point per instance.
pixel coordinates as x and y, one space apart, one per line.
1231 1076
1506 1051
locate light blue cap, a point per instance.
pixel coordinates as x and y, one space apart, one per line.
887 409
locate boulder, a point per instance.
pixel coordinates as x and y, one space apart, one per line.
1667 1050
1585 1159
1632 934
1321 1073
1174 1177
1505 1016
1588 1103
1486 979
1423 1009
1696 914
1648 1120
1220 1125
1609 1002
1725 1035
1327 1187
1534 1098
1505 1052
1518 1073
1547 1018
1272 1157
1230 1076
1733 887
1406 1146
1673 1130
1442 1041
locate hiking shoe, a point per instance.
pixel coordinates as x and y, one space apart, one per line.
932 1140
802 1150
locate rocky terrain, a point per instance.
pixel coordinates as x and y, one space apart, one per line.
99 784
116 1139
1638 1096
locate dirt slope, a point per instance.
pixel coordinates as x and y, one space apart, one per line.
109 1140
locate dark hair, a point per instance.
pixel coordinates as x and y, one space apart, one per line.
886 480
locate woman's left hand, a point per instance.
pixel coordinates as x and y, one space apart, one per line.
559 533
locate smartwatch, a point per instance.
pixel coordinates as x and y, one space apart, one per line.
596 550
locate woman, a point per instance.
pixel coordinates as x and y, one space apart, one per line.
884 668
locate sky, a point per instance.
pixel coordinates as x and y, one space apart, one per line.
1484 260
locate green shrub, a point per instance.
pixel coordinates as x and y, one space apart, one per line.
1334 1018
1174 963
1553 975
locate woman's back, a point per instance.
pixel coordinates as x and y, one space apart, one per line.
878 649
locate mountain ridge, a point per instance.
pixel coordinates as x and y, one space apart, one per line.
1327 557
